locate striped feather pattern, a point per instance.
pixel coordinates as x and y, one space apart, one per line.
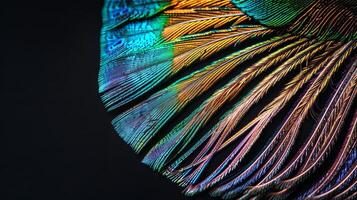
221 95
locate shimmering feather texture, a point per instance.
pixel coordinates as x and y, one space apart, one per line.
221 95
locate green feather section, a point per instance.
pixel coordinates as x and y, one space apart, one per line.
275 13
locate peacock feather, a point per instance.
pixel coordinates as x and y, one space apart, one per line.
240 98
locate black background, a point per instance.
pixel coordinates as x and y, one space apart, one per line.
57 140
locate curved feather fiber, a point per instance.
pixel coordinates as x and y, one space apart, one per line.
198 118
316 88
283 138
227 124
349 148
215 94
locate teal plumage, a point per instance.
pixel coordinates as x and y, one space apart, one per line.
216 93
273 13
